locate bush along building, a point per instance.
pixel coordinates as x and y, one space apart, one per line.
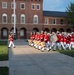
30 16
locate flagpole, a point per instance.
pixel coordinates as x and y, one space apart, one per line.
14 21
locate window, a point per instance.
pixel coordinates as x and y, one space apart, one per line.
33 6
38 6
22 19
46 21
61 21
4 5
35 19
4 18
12 18
12 5
22 6
53 21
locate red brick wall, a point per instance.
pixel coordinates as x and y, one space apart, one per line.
29 13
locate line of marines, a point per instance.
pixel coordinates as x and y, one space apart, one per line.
52 41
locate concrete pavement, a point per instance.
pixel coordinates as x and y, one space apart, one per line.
4 63
25 60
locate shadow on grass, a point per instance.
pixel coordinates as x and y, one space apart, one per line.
3 57
3 42
4 71
67 52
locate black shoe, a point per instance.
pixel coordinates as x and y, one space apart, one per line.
54 50
14 47
48 50
42 51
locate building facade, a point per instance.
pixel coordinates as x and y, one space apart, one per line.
29 17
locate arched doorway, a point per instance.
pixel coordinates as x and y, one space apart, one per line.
68 30
4 33
23 33
35 30
61 30
47 30
54 30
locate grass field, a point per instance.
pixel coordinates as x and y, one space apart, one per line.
67 52
4 71
3 51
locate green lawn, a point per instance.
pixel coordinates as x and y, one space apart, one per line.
3 50
67 52
4 71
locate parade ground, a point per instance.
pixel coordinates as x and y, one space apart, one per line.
26 60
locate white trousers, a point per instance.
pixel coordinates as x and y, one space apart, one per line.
11 44
57 45
48 45
63 45
68 46
71 43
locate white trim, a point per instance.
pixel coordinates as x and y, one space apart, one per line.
22 15
12 5
21 4
34 6
35 18
4 15
46 19
38 5
5 4
13 19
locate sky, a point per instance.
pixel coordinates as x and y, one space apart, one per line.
56 5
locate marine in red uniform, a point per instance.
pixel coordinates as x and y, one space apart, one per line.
62 42
42 36
11 40
46 37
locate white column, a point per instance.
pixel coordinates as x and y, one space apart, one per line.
14 19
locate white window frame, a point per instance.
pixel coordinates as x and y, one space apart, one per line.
12 5
22 15
38 5
35 18
4 15
53 21
12 18
21 4
34 6
5 4
46 20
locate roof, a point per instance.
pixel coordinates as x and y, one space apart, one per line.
54 13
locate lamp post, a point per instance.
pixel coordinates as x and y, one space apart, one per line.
14 20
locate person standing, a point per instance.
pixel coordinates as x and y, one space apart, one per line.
11 40
53 40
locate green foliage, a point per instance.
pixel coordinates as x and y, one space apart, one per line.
70 14
3 50
67 52
4 71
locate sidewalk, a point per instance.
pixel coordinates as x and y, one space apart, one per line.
4 63
25 60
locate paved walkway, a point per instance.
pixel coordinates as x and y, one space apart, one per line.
25 60
4 63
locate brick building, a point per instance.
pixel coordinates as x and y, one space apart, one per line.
29 16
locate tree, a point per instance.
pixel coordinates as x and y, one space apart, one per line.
70 14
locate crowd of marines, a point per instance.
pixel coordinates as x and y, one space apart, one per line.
51 41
